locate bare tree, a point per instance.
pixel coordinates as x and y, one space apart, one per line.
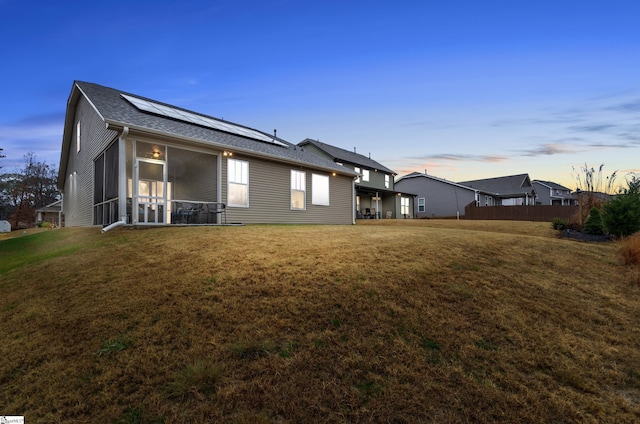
22 192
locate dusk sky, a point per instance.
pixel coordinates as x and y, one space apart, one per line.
463 89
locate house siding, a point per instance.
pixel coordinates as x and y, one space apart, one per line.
78 187
270 196
441 199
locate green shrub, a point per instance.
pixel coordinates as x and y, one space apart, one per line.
594 222
559 224
622 215
44 224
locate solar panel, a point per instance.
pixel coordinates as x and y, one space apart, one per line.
185 116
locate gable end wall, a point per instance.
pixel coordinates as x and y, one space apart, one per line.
78 186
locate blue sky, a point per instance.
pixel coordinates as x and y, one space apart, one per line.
463 89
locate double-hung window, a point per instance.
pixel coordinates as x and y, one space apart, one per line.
298 190
421 204
319 189
365 175
404 206
386 180
238 180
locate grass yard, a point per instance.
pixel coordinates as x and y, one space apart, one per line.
383 322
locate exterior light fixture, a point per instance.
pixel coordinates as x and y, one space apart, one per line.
333 174
156 154
227 153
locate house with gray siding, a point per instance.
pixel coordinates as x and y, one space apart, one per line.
512 190
376 196
127 159
550 193
437 197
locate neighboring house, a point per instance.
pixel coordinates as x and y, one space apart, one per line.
133 160
376 196
550 193
50 213
512 190
436 197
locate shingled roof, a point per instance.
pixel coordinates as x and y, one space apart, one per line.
117 112
503 186
347 156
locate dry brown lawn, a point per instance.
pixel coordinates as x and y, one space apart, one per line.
382 322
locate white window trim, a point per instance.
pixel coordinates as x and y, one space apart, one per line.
365 175
404 206
296 189
315 180
230 182
422 203
386 181
78 137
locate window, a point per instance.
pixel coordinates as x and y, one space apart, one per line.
404 206
238 179
421 204
386 181
365 175
298 190
78 137
319 189
358 171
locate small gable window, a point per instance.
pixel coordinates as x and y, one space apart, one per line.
78 137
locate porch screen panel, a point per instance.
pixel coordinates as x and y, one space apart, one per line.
192 176
105 186
111 172
98 180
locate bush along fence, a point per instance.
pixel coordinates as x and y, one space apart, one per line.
539 213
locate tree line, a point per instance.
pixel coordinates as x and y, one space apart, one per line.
24 190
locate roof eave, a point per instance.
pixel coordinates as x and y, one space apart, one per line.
118 126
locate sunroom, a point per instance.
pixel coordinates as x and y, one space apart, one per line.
164 185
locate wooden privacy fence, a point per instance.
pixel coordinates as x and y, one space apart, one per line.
519 213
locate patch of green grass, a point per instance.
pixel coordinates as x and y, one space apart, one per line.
368 390
289 349
136 416
196 380
112 346
486 345
253 349
22 251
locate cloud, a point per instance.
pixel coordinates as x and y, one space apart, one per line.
462 157
632 106
40 134
592 128
549 149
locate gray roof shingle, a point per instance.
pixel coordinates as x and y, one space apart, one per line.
503 186
114 109
347 156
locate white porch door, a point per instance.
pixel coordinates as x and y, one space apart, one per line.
151 196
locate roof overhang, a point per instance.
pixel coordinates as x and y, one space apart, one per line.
143 131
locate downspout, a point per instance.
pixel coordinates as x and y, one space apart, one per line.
122 181
60 211
353 201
